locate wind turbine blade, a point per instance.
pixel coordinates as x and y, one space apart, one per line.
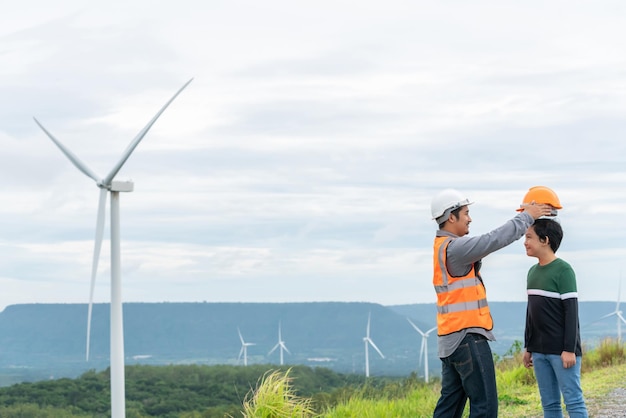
369 317
131 147
375 348
240 337
607 315
286 349
240 354
273 349
619 315
415 327
595 321
94 265
429 331
69 154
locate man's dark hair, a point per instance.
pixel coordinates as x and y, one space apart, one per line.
550 229
455 212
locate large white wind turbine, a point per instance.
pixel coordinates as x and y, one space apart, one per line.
617 313
106 185
424 347
244 349
280 344
368 341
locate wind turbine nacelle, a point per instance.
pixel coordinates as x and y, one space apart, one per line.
121 186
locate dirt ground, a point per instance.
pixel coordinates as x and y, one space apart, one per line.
612 406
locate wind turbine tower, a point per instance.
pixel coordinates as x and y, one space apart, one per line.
424 347
368 341
244 349
280 344
109 185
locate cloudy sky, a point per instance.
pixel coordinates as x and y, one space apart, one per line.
300 162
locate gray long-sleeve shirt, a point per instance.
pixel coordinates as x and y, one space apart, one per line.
463 252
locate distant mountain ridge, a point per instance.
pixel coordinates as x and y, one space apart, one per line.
49 339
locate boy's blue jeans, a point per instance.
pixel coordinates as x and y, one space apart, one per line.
553 379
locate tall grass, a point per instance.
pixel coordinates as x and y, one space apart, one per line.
419 402
610 352
275 398
517 391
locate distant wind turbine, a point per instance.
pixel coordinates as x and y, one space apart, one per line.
244 349
424 347
368 341
106 185
617 313
280 344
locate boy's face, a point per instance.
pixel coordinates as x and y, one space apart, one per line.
534 246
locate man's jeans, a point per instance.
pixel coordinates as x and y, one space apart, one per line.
553 380
468 373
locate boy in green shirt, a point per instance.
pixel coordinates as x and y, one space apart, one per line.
552 335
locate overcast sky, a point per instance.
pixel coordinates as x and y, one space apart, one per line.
300 163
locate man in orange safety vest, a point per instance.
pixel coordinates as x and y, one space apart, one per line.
464 321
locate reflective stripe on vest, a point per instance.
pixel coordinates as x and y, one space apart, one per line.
462 306
461 301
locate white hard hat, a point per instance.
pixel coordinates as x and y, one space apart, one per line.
445 202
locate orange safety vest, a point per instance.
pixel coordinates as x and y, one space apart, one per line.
461 301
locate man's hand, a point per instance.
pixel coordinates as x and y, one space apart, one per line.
527 359
569 359
537 210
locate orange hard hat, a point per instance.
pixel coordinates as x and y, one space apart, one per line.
542 195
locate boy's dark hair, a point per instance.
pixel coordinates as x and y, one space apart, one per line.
550 229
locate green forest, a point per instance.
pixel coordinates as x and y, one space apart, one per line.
168 391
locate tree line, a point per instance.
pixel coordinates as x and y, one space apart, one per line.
193 391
